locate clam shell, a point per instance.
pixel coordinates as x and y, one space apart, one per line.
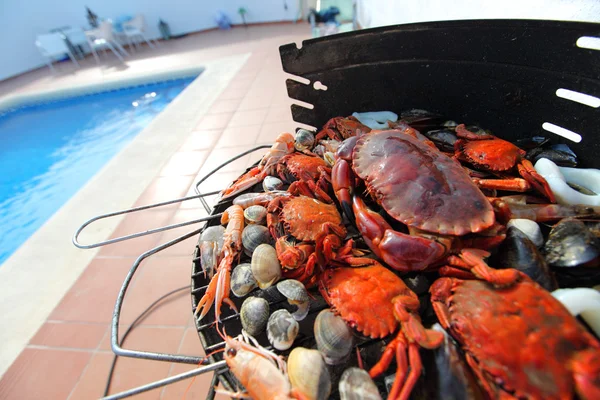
356 384
253 236
254 315
334 337
297 295
304 140
282 329
265 266
308 373
271 183
242 281
255 215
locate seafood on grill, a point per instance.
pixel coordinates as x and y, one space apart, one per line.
211 243
262 372
251 199
375 302
520 341
340 128
242 280
296 294
560 179
317 232
490 153
305 140
530 228
254 315
255 215
265 266
253 236
334 337
282 329
425 190
219 286
308 374
272 183
284 144
356 384
518 252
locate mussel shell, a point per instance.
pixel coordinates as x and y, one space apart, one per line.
448 374
271 183
242 281
255 215
443 138
333 336
529 143
530 228
297 295
308 374
254 315
305 140
253 236
356 384
265 265
282 329
571 244
558 157
518 251
214 234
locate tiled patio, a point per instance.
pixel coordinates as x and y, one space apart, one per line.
70 355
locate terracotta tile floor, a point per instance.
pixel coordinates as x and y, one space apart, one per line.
69 357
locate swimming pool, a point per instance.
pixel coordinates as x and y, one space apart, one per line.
49 151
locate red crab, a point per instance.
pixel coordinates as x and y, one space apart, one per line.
308 174
425 190
316 225
374 301
520 341
340 128
490 153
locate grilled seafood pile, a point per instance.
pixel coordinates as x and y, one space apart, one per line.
343 248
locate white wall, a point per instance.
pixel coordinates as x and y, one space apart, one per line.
372 13
21 21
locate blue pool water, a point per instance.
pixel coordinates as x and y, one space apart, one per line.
49 151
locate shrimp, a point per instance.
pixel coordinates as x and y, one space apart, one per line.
260 371
218 288
284 144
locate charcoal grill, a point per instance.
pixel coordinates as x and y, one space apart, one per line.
519 78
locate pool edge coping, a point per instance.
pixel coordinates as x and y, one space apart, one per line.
29 298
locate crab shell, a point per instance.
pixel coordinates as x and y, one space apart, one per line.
300 167
491 154
420 186
519 340
304 217
363 297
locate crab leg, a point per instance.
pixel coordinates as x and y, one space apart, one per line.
284 144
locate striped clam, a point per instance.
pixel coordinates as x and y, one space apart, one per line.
334 337
356 384
255 215
308 374
253 236
265 266
304 140
242 281
272 183
254 315
282 329
297 295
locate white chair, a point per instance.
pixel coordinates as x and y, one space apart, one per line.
134 29
52 45
103 38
